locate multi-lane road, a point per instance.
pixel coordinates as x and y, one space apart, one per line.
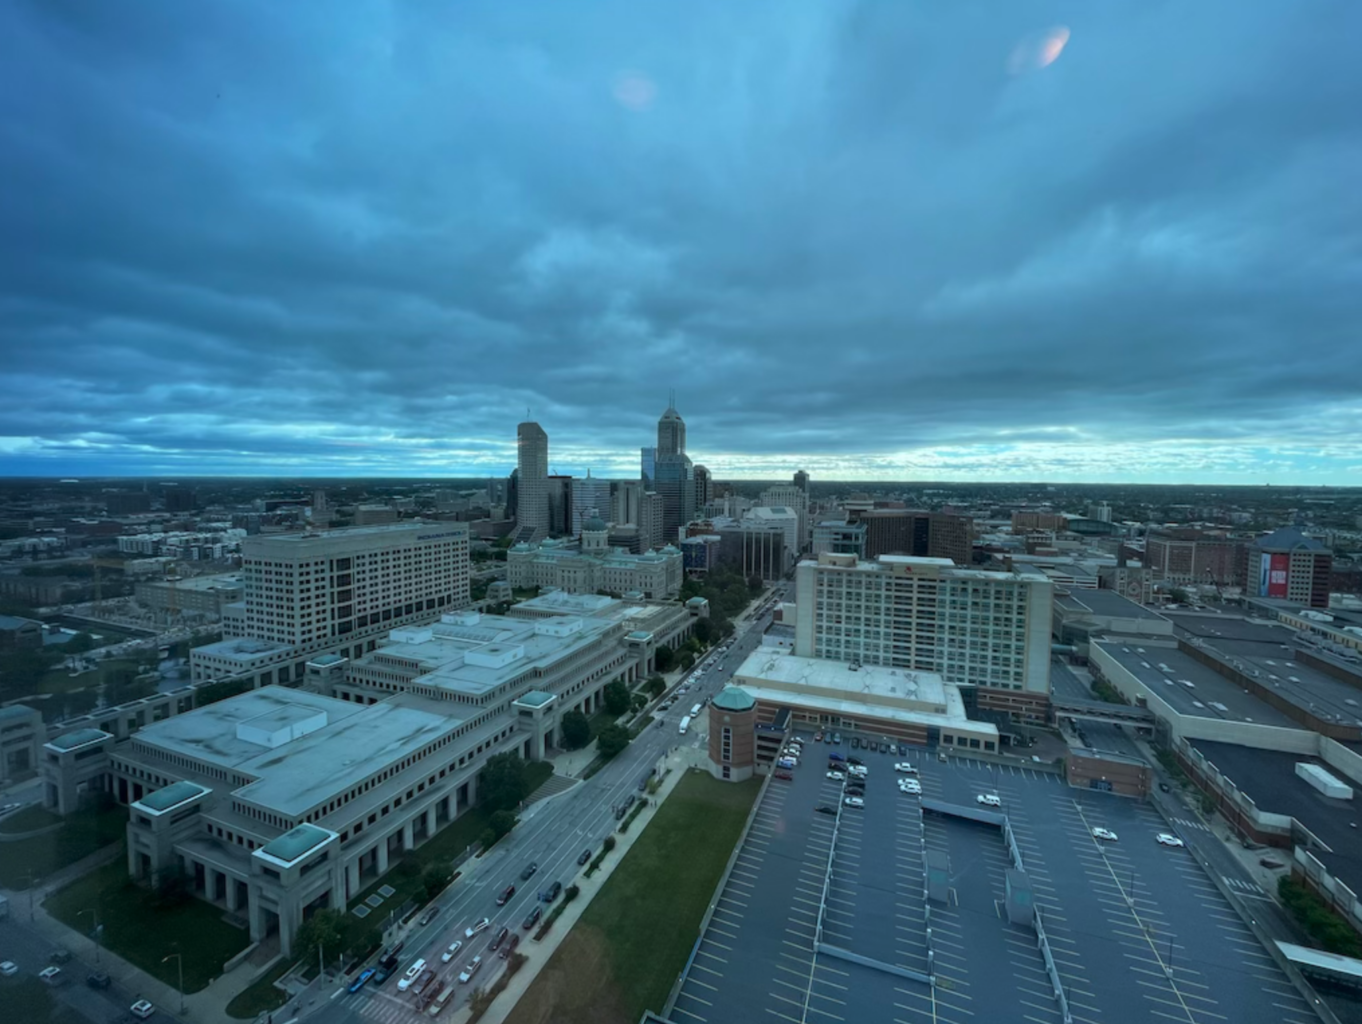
553 834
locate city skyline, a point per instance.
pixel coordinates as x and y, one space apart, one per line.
875 242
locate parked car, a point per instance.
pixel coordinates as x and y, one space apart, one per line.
476 927
551 893
837 738
818 736
533 866
470 969
834 756
784 775
855 742
907 768
9 968
505 896
859 771
453 951
585 856
142 1009
1105 834
826 809
836 776
989 800
854 791
495 944
854 801
532 918
852 759
510 946
60 955
51 975
98 980
1168 839
787 762
361 980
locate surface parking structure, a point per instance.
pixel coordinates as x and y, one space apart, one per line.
1137 931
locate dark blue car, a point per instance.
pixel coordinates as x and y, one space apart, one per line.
363 978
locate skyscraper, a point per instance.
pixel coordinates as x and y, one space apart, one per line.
532 483
590 497
668 471
671 431
703 487
801 480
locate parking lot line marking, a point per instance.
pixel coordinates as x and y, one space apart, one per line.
706 1002
783 1016
712 956
682 1009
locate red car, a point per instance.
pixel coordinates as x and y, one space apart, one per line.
783 774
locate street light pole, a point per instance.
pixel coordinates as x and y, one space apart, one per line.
179 962
94 913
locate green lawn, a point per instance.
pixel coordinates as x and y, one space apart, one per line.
34 816
626 951
261 996
144 934
81 834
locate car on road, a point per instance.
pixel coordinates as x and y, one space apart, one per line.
409 978
784 775
505 896
585 856
60 955
510 946
988 800
9 968
470 969
98 979
551 893
51 975
432 912
386 966
495 944
1168 839
837 776
1164 787
453 951
904 766
476 927
826 809
1104 834
362 980
854 801
529 871
142 1009
532 918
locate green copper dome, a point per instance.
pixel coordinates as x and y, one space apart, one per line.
734 698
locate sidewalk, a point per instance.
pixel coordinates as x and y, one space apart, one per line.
538 952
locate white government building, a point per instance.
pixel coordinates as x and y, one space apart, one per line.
593 565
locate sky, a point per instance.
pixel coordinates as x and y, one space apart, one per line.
1025 241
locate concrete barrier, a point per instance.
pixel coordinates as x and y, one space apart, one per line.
240 958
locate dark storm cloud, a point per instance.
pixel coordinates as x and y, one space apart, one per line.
877 239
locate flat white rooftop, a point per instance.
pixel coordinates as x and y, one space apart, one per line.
903 689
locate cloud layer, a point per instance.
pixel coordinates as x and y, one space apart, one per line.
1063 241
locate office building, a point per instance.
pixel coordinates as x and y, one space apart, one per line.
559 491
912 532
789 496
374 515
669 472
801 480
532 482
179 498
704 486
671 431
786 519
835 537
752 547
625 497
193 595
590 497
1290 566
306 593
988 630
1048 522
1183 556
594 565
651 522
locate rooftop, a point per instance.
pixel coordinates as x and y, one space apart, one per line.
1189 687
915 691
242 648
169 797
1106 603
296 843
535 699
15 622
1268 778
79 738
734 698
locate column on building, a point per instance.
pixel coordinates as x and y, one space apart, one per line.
352 879
409 835
230 883
382 849
430 820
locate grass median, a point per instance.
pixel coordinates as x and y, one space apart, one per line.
626 950
80 835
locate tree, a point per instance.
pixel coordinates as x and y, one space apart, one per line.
655 685
616 697
639 701
754 584
576 730
665 659
1178 596
435 878
504 782
501 823
611 740
324 929
79 644
687 661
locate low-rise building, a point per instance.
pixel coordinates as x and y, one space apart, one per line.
198 595
594 565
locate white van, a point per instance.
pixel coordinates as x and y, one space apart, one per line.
685 724
413 972
696 710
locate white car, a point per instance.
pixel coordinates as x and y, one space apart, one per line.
904 766
860 771
853 801
837 776
476 927
1168 839
451 952
909 786
9 968
1105 834
413 972
470 969
142 1008
989 799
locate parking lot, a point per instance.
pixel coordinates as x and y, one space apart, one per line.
1138 930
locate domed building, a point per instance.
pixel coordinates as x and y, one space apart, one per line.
732 734
593 565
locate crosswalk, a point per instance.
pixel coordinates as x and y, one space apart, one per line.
1191 823
1247 888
